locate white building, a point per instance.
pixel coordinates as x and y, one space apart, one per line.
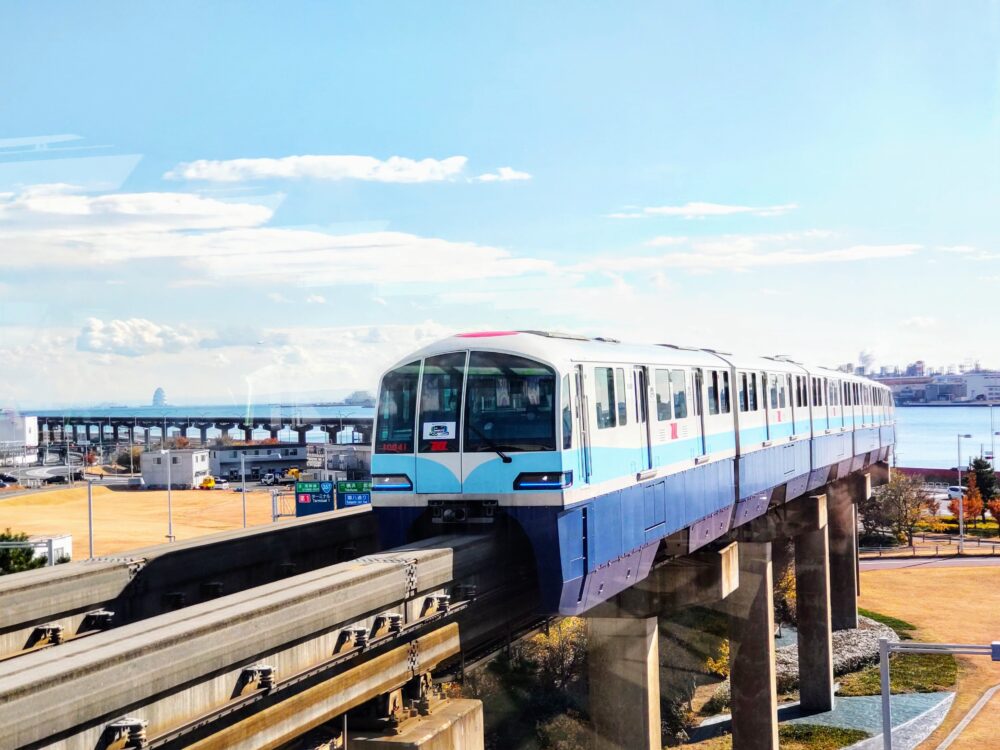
186 467
18 438
982 385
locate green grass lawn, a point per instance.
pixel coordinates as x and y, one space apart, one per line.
903 628
799 737
909 673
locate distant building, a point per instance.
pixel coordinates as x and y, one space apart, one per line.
159 397
360 398
186 468
18 438
345 462
258 459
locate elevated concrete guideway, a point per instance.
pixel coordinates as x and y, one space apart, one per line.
171 671
151 581
287 652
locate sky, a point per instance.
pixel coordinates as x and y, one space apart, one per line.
269 201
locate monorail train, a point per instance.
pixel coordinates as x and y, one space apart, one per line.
598 451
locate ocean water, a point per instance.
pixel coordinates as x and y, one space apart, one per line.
926 436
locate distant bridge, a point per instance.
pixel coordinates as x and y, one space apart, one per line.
57 426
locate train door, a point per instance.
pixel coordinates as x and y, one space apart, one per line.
641 381
766 385
582 410
699 411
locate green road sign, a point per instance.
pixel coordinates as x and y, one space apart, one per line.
354 487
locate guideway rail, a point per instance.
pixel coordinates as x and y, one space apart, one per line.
171 669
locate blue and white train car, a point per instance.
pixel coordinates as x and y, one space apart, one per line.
599 451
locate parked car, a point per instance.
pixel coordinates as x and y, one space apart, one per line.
56 479
136 483
221 484
9 478
955 492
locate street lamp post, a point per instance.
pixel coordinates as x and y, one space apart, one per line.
961 500
170 507
243 472
90 515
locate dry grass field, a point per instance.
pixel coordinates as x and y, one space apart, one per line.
125 520
952 605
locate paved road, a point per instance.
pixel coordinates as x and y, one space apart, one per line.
930 562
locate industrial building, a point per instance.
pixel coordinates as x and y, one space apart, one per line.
259 459
185 468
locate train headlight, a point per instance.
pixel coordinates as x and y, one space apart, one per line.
544 480
391 483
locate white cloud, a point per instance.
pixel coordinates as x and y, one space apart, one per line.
132 338
664 241
743 254
315 299
331 167
920 321
503 174
56 228
60 208
702 210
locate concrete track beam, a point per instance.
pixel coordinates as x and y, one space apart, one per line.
451 724
176 667
155 579
751 652
803 515
705 577
280 721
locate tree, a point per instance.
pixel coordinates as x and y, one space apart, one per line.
972 501
18 559
559 653
178 442
130 460
986 481
90 458
899 505
994 507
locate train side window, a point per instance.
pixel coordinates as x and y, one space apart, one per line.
677 387
781 394
724 401
752 393
772 386
567 415
661 379
741 391
604 385
620 391
713 392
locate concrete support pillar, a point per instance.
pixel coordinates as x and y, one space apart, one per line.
145 436
273 432
843 558
203 433
624 667
301 432
751 651
247 432
812 591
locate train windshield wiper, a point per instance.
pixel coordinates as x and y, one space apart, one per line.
493 446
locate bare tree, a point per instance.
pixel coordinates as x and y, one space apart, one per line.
899 505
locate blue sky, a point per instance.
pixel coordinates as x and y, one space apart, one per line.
229 220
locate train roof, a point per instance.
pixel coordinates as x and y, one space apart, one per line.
563 349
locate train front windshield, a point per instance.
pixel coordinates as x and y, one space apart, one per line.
510 405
